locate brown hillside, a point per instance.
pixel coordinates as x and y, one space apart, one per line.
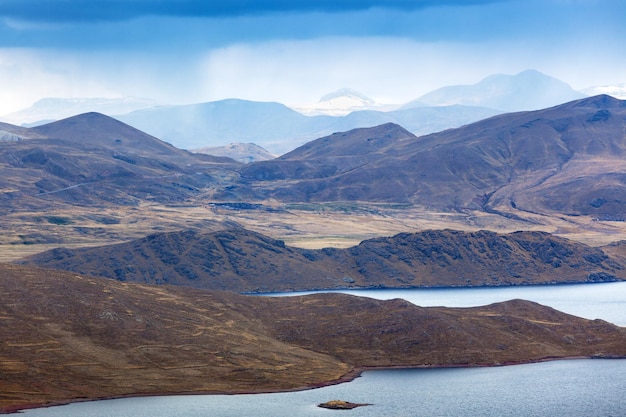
332 155
243 261
65 337
16 132
96 129
565 159
94 160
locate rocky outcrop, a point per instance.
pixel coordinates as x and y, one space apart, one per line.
340 405
244 261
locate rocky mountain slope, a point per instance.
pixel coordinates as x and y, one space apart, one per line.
242 152
9 132
243 261
566 159
65 337
92 159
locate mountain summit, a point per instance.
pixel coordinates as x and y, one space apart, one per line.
93 159
528 90
350 94
340 103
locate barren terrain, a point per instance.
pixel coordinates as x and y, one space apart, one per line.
311 226
90 181
66 337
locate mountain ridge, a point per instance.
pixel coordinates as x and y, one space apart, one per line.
93 159
278 128
244 261
515 163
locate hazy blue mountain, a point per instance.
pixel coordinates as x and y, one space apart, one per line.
528 90
278 128
272 126
54 108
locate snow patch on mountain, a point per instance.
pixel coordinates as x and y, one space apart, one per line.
341 103
618 91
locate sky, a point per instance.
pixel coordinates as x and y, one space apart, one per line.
295 51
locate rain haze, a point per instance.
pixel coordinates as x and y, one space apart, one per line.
188 51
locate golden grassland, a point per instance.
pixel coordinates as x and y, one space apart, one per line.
310 226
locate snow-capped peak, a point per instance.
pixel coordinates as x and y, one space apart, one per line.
340 103
618 91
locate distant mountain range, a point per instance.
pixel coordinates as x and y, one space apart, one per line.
51 109
279 129
528 90
566 159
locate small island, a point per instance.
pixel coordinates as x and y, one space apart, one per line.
340 405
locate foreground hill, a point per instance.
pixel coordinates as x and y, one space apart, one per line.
92 159
243 261
565 159
66 337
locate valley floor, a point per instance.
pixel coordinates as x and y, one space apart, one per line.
310 226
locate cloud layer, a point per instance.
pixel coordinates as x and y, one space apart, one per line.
292 51
111 10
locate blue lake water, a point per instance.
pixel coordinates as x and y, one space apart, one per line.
590 388
605 301
571 388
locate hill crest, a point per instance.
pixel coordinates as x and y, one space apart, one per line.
244 261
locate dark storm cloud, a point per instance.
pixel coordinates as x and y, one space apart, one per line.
116 10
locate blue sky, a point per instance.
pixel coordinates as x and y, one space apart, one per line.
184 51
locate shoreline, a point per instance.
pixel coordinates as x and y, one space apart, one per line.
347 377
292 292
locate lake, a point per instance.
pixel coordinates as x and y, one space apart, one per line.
606 301
590 388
